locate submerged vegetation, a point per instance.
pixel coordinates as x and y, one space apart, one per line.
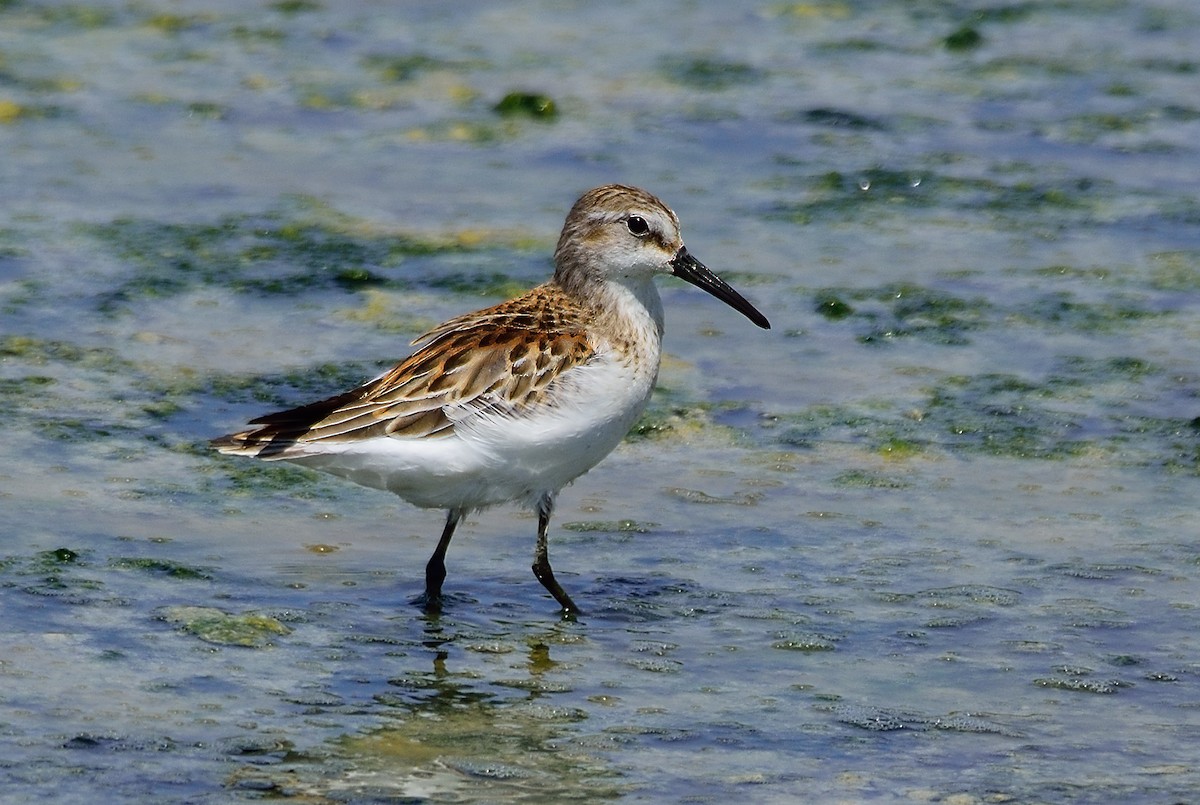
1081 408
304 247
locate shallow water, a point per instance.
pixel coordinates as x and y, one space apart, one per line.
932 538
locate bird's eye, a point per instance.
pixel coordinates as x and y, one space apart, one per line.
637 225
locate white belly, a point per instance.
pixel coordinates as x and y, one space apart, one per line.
494 457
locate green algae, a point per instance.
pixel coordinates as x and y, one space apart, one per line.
670 417
830 304
72 15
1082 685
62 573
1064 310
207 110
60 555
38 400
212 625
970 594
245 478
489 283
163 567
29 387
284 252
705 499
497 129
257 34
532 105
898 310
295 386
826 422
832 195
805 643
175 24
73 429
18 294
965 38
43 351
1175 271
901 310
709 74
1079 407
403 68
388 312
610 526
12 112
12 248
1046 67
1076 370
295 6
840 119
864 479
496 747
1003 415
1006 195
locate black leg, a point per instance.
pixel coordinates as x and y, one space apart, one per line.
435 570
541 560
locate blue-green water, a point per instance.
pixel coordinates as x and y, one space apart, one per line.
932 538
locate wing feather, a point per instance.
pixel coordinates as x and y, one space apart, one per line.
508 355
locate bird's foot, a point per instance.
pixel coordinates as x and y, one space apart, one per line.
545 575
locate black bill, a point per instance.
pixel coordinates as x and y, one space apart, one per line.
686 267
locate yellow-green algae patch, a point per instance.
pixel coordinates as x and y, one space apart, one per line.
212 625
670 416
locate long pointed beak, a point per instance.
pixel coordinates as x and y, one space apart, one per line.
688 268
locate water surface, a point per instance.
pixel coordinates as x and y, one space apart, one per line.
932 538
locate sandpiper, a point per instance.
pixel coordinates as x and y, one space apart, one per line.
515 401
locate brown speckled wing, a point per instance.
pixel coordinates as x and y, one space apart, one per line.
507 355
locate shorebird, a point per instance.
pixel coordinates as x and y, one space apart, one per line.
515 401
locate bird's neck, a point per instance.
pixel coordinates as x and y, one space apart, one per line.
628 304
